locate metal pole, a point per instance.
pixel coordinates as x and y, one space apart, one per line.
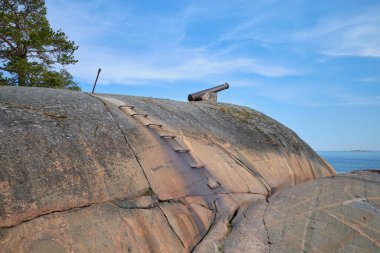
96 80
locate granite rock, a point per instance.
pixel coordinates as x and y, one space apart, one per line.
111 173
333 214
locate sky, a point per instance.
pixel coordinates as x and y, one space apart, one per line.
314 66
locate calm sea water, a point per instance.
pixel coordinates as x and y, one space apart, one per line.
346 161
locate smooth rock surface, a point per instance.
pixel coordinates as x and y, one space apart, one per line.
334 214
60 150
99 228
79 173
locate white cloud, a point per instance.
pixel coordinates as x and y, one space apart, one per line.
346 36
352 101
185 64
369 79
369 100
134 49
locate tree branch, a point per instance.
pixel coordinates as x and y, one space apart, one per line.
27 12
8 42
4 69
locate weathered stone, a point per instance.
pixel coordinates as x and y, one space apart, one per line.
227 208
99 228
244 150
59 150
80 174
209 96
334 214
190 222
248 232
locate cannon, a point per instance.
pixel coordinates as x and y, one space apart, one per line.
208 94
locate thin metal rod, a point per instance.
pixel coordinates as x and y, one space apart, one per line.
96 80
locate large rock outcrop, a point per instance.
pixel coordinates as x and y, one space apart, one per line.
111 173
333 214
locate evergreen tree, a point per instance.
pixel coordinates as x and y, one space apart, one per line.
29 48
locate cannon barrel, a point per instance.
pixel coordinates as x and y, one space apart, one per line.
198 95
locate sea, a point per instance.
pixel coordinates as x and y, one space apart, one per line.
346 161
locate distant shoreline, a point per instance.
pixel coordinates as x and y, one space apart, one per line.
348 150
346 161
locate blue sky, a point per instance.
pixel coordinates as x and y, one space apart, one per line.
312 65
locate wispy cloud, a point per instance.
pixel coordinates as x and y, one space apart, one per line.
352 101
334 34
251 42
283 57
154 50
369 100
184 66
346 35
369 80
308 95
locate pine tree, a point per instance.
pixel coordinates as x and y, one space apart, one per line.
30 49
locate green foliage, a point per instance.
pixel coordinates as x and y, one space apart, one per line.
2 80
61 80
29 48
229 228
